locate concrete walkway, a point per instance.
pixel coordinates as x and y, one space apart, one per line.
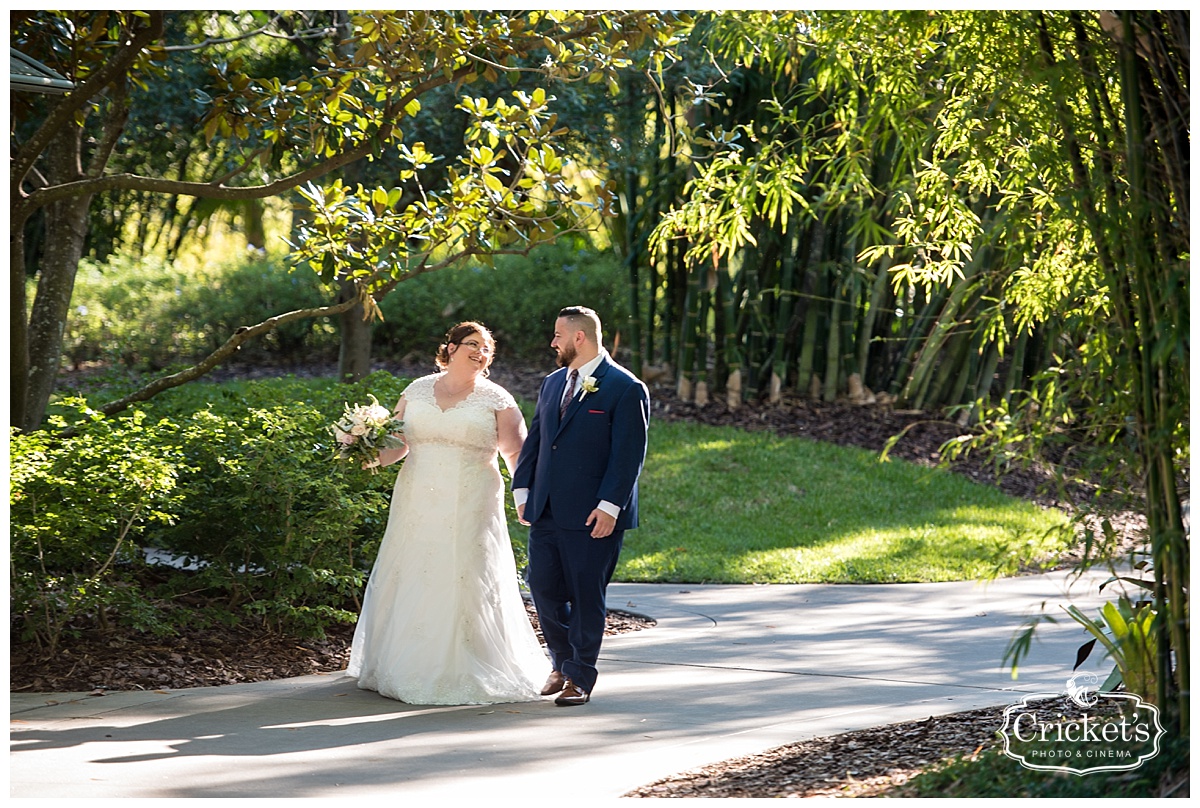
728 671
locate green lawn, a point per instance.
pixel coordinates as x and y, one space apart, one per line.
724 505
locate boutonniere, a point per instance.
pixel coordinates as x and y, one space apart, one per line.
589 385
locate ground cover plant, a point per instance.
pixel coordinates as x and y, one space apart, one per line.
991 773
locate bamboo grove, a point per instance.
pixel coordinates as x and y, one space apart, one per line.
982 214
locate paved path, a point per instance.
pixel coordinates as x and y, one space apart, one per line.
728 671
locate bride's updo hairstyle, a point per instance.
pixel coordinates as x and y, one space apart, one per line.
456 335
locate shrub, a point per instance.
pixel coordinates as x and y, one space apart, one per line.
518 299
237 479
152 314
149 314
76 510
275 526
250 291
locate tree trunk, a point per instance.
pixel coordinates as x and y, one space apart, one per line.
253 225
66 225
354 350
18 330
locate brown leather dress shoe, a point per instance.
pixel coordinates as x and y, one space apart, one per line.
572 694
554 684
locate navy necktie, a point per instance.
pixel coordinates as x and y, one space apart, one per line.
562 408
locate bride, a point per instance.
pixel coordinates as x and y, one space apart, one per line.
443 621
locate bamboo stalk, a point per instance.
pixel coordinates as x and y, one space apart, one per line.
866 332
815 281
685 382
941 331
983 382
916 333
833 345
1016 365
784 296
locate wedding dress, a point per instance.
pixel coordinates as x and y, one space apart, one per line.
443 621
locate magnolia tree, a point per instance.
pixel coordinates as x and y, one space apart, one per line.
508 190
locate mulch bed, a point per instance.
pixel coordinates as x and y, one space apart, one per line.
875 762
866 763
126 660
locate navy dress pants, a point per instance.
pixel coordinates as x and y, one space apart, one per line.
569 573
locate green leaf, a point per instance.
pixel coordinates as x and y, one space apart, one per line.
328 268
493 184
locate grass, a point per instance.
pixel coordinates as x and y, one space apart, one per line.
724 505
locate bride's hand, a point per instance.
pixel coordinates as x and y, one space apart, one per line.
371 464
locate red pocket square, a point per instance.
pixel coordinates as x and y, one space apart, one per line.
595 412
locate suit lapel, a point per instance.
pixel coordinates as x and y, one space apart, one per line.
598 374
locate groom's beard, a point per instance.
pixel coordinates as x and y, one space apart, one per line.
567 355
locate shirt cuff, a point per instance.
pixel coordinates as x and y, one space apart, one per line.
612 510
520 496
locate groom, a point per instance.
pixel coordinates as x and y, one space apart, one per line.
576 485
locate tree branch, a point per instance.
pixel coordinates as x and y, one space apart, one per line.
216 189
309 33
218 356
63 113
112 129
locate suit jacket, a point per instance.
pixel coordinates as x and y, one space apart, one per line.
595 452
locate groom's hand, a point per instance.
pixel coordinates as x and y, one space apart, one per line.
601 523
521 514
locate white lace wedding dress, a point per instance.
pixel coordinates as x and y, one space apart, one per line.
443 621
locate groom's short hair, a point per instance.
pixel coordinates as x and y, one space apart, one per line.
584 319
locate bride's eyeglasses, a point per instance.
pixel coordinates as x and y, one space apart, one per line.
472 345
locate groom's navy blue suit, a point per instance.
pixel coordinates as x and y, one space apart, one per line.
593 453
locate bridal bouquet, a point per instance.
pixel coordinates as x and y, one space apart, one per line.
365 429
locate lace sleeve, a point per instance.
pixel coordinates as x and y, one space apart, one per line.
420 389
496 397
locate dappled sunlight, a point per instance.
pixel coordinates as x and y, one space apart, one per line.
726 505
